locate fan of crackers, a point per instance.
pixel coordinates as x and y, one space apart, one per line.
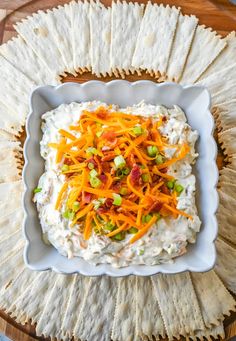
123 39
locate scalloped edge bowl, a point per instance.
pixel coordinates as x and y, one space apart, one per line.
195 101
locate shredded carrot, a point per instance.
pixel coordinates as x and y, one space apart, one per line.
67 134
113 233
176 211
60 195
143 231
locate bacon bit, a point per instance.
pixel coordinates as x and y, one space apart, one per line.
164 119
91 160
108 203
164 170
165 189
108 157
86 197
105 166
133 197
68 162
156 207
109 136
102 113
103 178
135 174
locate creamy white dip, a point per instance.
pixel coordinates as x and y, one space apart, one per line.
164 241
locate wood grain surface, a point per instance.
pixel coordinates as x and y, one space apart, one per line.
218 14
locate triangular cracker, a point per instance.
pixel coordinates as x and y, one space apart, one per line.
225 58
7 136
227 139
125 24
37 32
206 46
21 55
232 162
228 189
149 322
225 264
155 38
75 299
95 321
227 175
10 122
80 35
124 319
9 191
11 223
15 89
29 306
226 218
214 300
225 115
214 332
185 31
50 320
60 23
100 33
174 292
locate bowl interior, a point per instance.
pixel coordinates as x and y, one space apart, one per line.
194 100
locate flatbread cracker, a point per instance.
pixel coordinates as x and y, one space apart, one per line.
75 300
100 33
226 216
225 58
80 35
174 292
227 175
208 333
21 55
10 122
149 323
227 139
125 24
155 38
50 320
96 319
15 88
225 264
206 46
232 162
225 115
124 319
29 306
185 31
36 31
6 135
11 223
214 300
59 19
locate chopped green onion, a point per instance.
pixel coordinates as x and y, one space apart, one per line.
76 206
179 188
95 182
90 165
119 173
93 173
92 151
152 151
119 236
65 168
138 130
126 171
69 214
119 162
141 252
117 199
145 177
99 134
158 215
132 230
170 184
110 227
146 218
159 159
37 189
123 191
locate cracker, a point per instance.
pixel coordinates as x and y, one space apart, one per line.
124 319
214 300
149 323
174 292
208 333
30 303
125 24
206 46
15 88
75 300
10 190
185 31
227 139
100 33
10 123
226 115
80 35
225 264
50 321
36 31
155 38
9 242
21 55
11 223
225 58
227 175
232 162
95 321
6 135
226 217
228 189
59 20
12 291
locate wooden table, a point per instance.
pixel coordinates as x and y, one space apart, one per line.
219 14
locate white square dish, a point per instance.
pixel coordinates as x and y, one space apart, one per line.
195 101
